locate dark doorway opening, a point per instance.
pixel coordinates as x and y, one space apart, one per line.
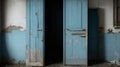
53 31
96 44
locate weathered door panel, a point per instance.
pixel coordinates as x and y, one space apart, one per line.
35 30
75 29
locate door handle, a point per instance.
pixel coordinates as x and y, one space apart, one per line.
82 33
72 30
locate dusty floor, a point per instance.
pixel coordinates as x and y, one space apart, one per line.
60 65
97 65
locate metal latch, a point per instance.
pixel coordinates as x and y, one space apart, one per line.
82 33
39 29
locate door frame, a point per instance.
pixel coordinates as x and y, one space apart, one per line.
64 34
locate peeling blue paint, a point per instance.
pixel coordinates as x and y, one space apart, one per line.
109 46
15 44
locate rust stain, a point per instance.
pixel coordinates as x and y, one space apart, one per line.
11 28
36 55
12 61
33 56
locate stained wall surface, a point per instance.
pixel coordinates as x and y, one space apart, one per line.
13 33
108 43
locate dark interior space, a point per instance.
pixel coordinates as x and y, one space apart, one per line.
92 35
101 37
96 46
0 34
53 31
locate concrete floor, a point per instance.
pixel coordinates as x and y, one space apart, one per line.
97 65
60 65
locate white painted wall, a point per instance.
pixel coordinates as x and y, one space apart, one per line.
15 11
106 13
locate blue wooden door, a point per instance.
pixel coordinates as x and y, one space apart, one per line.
35 30
75 32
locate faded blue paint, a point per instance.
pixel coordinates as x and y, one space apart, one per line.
75 21
109 46
15 45
35 30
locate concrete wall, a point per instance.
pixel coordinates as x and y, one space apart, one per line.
108 43
109 47
106 13
15 11
14 26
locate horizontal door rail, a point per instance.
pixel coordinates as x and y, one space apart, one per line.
75 30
